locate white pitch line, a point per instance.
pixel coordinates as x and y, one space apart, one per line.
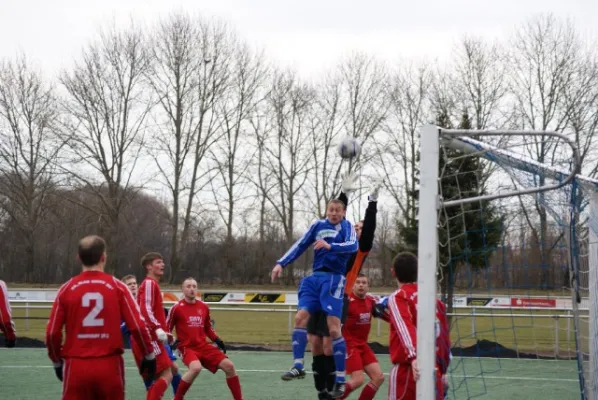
268 371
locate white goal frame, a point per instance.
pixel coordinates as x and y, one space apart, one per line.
431 138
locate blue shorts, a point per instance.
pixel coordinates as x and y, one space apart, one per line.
169 351
322 291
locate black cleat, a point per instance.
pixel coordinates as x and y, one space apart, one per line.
324 395
293 373
339 390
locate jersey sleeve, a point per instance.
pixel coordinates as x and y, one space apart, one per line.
54 328
129 310
7 325
366 241
299 247
171 319
444 346
146 304
400 318
208 328
349 243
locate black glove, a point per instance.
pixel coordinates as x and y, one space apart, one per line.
174 345
10 343
58 371
220 345
148 366
379 310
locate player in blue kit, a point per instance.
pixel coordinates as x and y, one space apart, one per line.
334 241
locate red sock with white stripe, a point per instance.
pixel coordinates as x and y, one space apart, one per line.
368 392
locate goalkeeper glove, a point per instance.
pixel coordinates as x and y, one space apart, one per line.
220 345
58 370
374 193
148 366
162 336
349 183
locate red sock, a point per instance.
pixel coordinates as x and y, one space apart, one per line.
348 390
234 384
368 392
182 390
157 390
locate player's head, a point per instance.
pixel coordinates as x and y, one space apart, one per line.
361 286
153 264
404 267
189 287
92 252
131 283
358 229
335 211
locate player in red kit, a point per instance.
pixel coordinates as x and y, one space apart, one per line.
191 320
6 323
402 307
356 331
90 307
149 297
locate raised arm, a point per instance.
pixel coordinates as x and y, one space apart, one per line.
299 247
366 241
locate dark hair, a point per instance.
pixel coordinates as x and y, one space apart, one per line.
150 258
91 250
405 267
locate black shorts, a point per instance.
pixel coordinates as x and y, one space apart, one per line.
318 325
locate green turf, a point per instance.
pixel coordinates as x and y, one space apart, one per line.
26 375
528 333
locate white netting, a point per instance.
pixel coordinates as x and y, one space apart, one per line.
516 267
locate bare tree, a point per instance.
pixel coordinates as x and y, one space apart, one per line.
108 106
232 155
352 103
188 75
28 147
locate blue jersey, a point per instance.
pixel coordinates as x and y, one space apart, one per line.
342 239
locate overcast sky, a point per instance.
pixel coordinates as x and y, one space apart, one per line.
307 34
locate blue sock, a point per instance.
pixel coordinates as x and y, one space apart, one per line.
299 342
176 379
339 350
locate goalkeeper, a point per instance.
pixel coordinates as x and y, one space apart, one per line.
334 240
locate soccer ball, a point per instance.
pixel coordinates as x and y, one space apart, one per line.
349 148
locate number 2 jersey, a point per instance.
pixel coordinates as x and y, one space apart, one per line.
91 306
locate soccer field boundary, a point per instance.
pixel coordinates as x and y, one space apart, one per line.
272 371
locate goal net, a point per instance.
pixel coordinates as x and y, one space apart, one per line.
514 261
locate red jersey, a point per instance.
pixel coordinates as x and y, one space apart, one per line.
149 298
402 306
192 323
6 323
356 328
91 306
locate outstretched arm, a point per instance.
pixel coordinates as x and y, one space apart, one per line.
366 241
299 247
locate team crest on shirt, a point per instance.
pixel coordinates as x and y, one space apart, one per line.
326 233
195 321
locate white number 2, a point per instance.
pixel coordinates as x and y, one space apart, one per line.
91 318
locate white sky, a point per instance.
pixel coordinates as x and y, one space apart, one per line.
306 34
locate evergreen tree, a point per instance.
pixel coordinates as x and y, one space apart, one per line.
472 230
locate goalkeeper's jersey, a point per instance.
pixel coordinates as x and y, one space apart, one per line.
342 239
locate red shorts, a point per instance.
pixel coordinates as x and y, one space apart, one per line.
358 357
93 378
209 356
402 385
163 361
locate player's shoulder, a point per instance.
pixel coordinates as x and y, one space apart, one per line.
372 297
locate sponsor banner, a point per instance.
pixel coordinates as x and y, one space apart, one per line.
24 295
478 301
459 301
265 297
532 302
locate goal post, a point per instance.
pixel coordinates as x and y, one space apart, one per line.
529 178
